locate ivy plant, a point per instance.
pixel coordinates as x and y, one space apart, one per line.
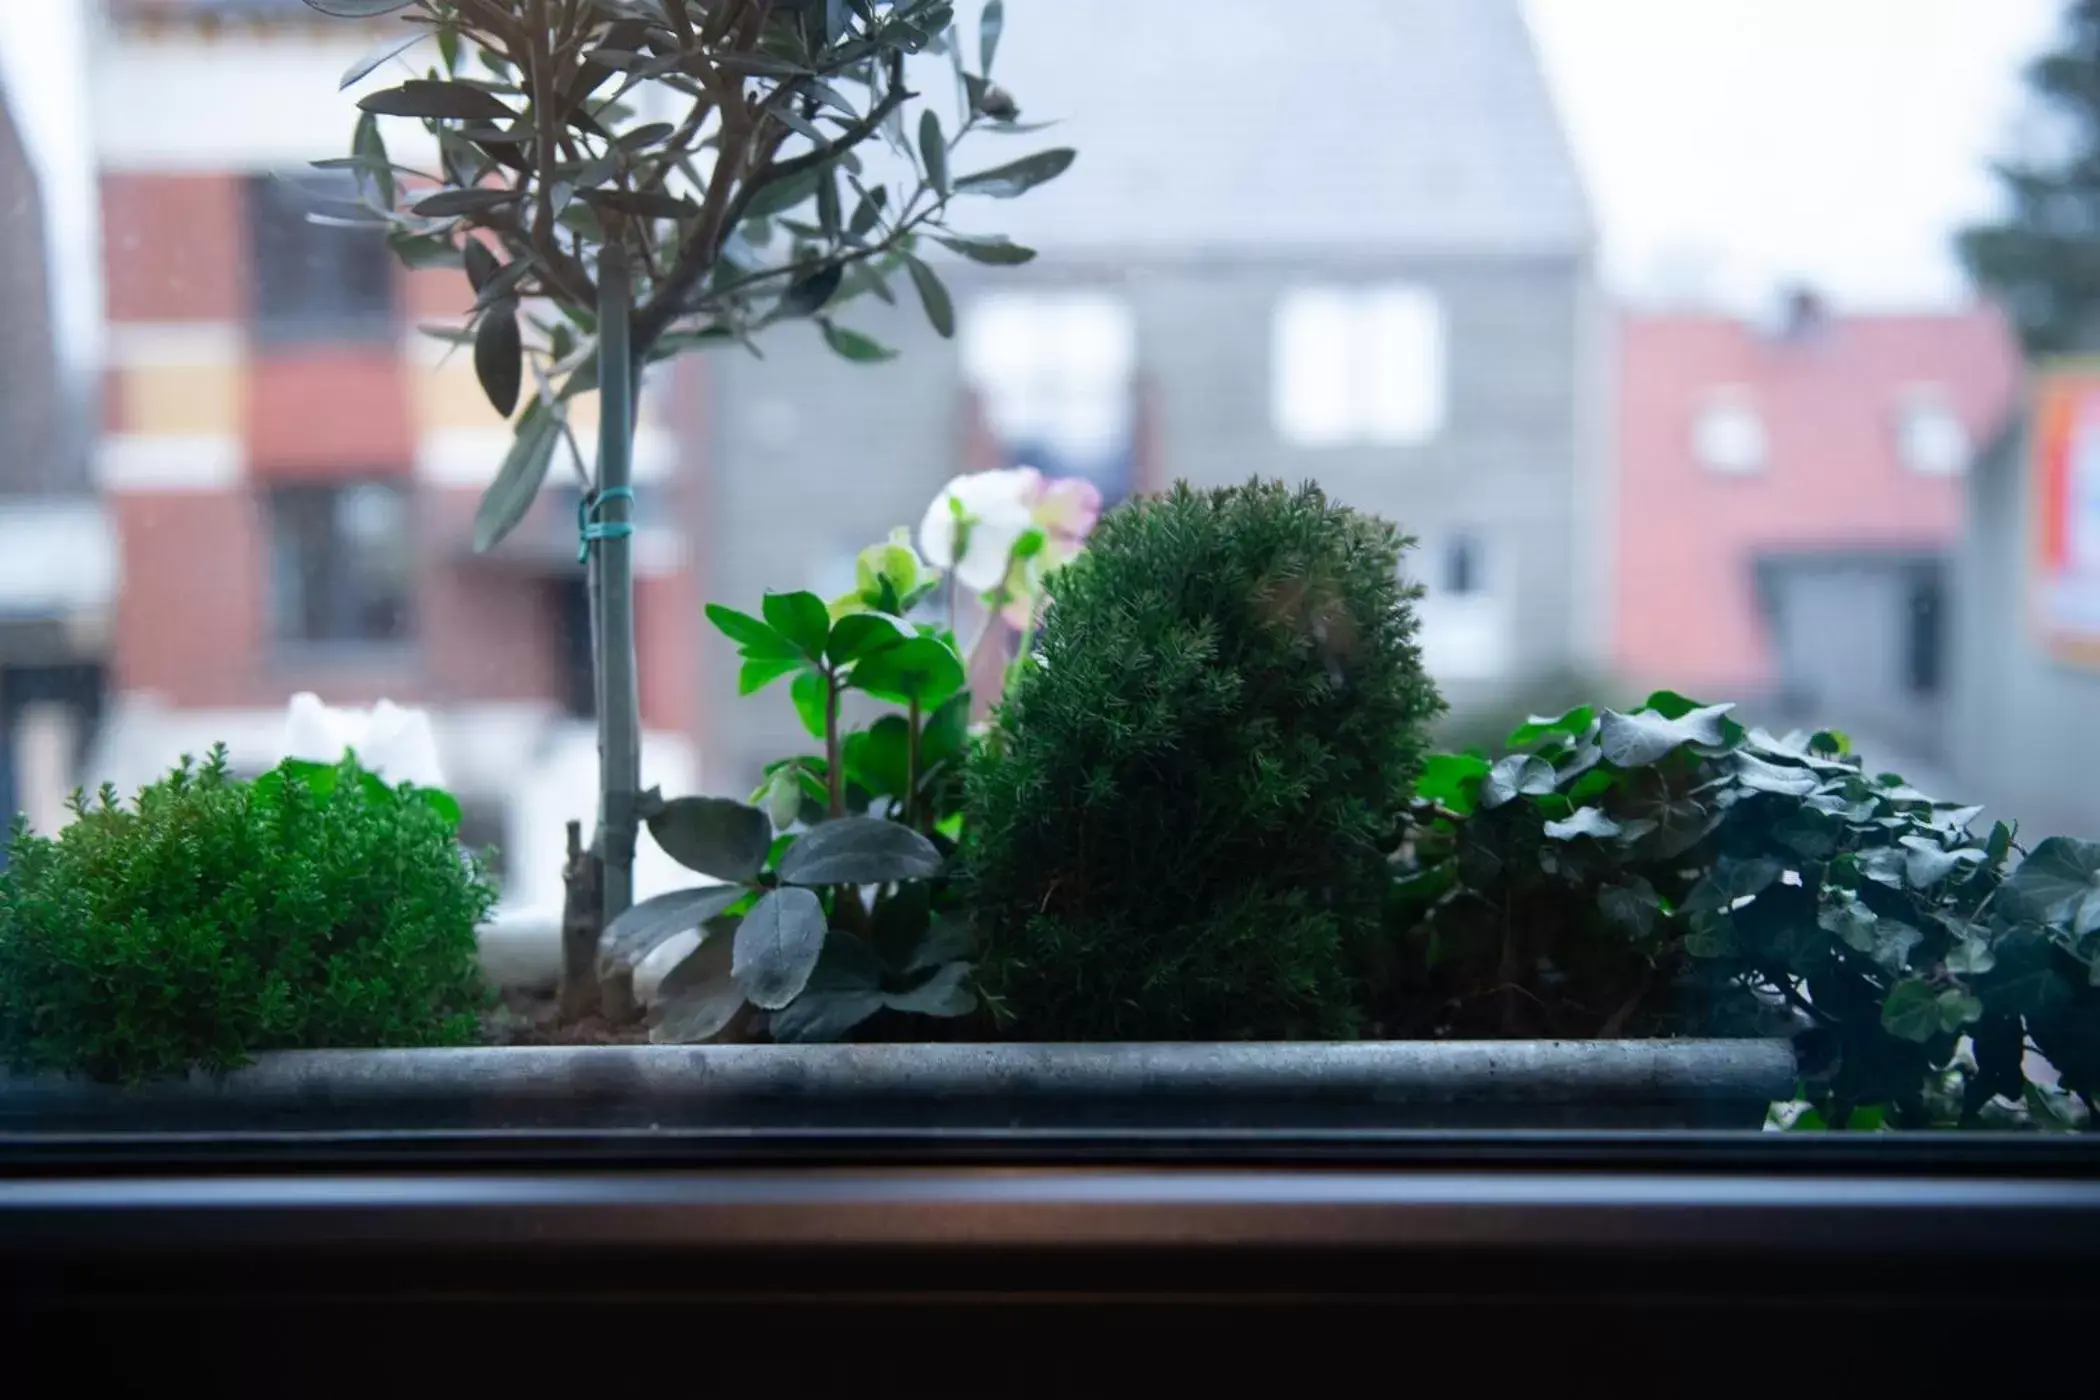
831 907
1666 871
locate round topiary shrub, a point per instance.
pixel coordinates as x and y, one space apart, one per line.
314 907
1180 826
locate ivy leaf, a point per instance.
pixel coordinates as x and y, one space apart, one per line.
1575 723
859 851
713 835
1636 740
1452 780
2059 883
1632 906
499 356
1012 180
778 944
1759 776
1912 1011
1887 941
1518 773
1927 864
1587 821
940 309
1970 956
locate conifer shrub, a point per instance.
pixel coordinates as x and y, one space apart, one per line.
1180 825
314 907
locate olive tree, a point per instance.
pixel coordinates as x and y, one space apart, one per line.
623 180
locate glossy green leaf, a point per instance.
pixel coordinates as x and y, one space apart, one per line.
802 618
2059 882
859 851
755 638
811 695
758 672
1452 780
922 669
1574 723
778 943
713 835
946 993
698 999
637 932
1639 739
1518 774
859 635
1586 821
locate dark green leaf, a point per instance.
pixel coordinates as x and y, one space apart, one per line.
451 203
2059 883
1015 179
517 484
924 669
482 265
859 851
369 146
642 204
371 60
811 695
852 345
1636 740
933 149
1912 1011
819 1018
357 9
713 835
990 25
800 617
857 635
757 639
1927 863
868 212
946 994
698 998
1575 723
808 293
1632 906
947 940
1587 821
1887 941
761 671
1970 957
994 252
778 944
1759 776
781 195
878 757
499 356
636 933
940 310
421 97
1517 774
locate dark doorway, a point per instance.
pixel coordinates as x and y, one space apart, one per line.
1925 644
571 604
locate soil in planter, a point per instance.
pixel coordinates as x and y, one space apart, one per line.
534 1018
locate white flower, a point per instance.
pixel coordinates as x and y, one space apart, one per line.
395 743
985 513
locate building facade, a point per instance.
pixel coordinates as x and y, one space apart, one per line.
292 465
1370 267
1789 501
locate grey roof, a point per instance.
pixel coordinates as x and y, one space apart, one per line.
1232 126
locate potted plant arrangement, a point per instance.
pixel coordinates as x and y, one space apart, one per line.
1198 866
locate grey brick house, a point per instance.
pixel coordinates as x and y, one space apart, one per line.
1342 240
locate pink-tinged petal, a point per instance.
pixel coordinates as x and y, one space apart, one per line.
1069 507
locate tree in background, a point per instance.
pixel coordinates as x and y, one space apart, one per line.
2043 260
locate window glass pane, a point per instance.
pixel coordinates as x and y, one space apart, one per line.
1315 382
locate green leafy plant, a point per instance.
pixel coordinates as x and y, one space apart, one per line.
1665 871
214 918
835 918
622 181
1178 827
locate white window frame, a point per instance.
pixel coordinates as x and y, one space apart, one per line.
1920 402
1728 434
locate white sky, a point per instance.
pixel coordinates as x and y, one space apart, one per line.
1727 144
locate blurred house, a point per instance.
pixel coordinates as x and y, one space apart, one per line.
1341 240
293 467
2021 726
57 562
1789 501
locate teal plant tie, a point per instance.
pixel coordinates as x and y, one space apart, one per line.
590 529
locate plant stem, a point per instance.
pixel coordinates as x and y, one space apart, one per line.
834 776
612 563
911 765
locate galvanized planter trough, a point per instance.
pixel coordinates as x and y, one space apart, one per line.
1362 1085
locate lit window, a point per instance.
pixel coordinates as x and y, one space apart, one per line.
1729 435
1358 366
1930 435
1056 373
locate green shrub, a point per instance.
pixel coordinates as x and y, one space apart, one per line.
1667 871
1179 826
313 907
